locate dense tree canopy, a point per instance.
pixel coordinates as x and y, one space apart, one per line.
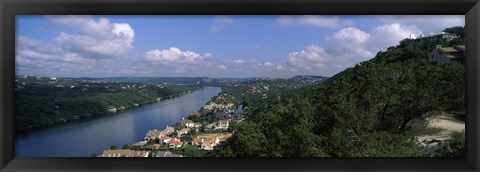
364 111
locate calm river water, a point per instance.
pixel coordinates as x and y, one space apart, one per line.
83 138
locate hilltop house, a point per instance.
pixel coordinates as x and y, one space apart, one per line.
445 55
431 36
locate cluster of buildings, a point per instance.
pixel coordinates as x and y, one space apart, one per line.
133 153
124 153
174 137
441 55
166 138
432 36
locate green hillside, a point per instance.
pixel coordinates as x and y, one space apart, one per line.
370 110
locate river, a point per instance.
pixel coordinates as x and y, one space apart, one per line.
83 138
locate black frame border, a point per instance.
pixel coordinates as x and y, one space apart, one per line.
10 8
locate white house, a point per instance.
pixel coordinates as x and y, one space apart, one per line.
187 123
222 124
209 143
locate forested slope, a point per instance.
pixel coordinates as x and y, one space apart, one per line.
369 110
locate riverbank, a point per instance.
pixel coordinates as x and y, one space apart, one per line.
82 139
194 136
87 106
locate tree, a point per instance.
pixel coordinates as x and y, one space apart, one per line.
93 155
193 131
193 151
126 146
113 147
457 30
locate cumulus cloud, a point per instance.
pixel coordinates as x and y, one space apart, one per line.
174 55
239 61
78 51
32 54
95 39
425 23
347 47
312 58
350 42
391 34
34 50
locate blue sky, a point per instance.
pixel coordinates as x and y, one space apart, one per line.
213 46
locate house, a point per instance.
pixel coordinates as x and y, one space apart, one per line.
264 96
141 153
161 154
165 139
140 144
446 55
112 109
431 36
183 131
124 153
230 104
168 130
222 124
154 146
197 125
153 134
197 141
196 113
209 143
186 123
175 143
173 156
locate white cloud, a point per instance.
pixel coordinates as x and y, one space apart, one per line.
78 51
98 39
268 64
239 61
311 58
173 55
347 47
391 34
39 52
425 23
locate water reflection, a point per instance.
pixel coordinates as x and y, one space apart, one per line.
82 139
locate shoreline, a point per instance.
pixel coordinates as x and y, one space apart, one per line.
92 117
219 135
